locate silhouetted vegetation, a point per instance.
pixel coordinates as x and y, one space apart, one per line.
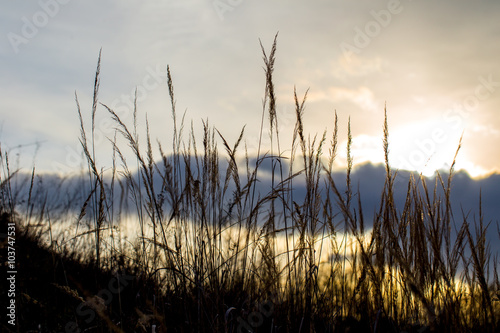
216 253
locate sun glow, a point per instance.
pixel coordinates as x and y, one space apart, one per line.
425 146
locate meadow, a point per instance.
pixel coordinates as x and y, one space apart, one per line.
218 249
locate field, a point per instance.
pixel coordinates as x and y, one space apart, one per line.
226 242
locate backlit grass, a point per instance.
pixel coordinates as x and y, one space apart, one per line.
213 248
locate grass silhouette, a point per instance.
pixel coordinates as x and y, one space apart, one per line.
216 253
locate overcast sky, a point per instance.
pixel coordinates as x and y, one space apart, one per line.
435 63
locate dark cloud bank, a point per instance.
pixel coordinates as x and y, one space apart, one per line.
69 193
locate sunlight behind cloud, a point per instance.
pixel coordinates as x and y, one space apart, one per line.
365 148
424 146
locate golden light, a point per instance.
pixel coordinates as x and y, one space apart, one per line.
425 146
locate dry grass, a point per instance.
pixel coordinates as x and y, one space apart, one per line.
217 251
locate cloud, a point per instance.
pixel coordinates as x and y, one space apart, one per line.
362 96
63 195
425 60
367 179
356 66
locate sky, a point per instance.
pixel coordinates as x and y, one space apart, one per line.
434 64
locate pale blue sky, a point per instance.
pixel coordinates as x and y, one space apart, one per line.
435 63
